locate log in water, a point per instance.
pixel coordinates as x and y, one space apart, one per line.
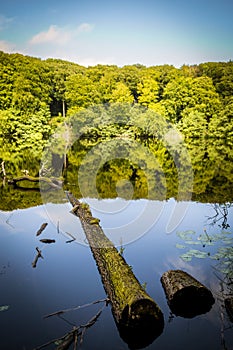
138 317
186 296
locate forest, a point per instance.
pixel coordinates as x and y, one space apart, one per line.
36 95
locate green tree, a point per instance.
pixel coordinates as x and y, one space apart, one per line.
59 71
222 75
193 124
221 125
148 91
20 133
130 75
121 93
184 94
81 92
6 80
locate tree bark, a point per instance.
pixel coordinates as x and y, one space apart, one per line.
138 317
63 109
186 296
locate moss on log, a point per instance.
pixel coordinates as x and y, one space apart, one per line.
138 317
186 296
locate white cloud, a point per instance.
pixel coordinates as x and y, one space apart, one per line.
84 27
4 21
53 34
59 35
91 61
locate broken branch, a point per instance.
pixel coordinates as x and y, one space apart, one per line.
41 229
39 255
76 308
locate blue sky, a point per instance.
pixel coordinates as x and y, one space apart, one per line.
149 32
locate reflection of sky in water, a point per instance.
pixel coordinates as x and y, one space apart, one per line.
67 276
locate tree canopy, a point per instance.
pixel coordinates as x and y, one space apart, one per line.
36 95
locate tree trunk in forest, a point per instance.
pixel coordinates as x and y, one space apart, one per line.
186 296
63 109
138 317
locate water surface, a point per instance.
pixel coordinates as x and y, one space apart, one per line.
198 242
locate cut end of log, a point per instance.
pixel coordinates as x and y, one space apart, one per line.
186 296
142 322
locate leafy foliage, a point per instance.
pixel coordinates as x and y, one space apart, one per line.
191 95
37 95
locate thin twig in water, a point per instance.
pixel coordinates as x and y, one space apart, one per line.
39 255
67 321
8 219
66 340
93 319
69 234
56 339
76 308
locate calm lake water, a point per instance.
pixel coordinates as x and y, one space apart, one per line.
155 235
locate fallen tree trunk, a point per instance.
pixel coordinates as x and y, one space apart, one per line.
138 317
186 296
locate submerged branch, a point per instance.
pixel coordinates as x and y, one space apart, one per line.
39 255
76 308
41 229
78 331
56 340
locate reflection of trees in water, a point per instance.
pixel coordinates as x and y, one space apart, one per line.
143 161
145 164
221 215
